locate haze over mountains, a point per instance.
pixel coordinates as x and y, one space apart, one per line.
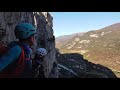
98 46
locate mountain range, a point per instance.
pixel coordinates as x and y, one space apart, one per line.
97 46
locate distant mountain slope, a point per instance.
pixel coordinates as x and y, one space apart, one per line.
98 46
63 39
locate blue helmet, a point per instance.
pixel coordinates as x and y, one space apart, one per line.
24 30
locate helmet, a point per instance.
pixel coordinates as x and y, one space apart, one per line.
41 52
24 30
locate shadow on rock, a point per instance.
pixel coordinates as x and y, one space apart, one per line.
71 63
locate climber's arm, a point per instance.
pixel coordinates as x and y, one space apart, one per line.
12 55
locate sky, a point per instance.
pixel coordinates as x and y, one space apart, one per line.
65 23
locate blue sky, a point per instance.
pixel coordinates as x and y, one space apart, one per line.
65 23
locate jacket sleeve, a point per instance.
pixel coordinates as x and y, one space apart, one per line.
12 55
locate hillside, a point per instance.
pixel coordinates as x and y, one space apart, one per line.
98 46
63 39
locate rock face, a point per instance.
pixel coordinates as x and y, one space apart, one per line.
44 37
73 65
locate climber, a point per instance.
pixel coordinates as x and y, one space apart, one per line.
16 62
38 69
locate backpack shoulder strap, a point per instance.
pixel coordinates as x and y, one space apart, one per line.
22 56
20 64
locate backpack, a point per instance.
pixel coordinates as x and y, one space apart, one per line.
15 69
